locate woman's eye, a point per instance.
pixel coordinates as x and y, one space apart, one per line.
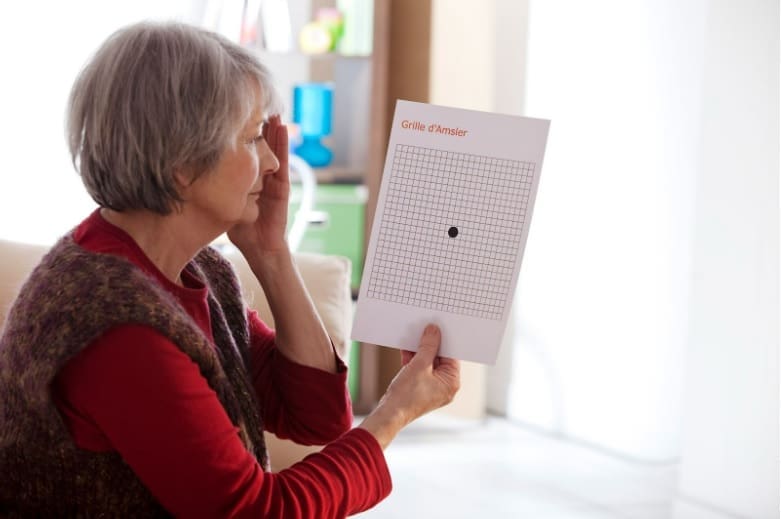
259 137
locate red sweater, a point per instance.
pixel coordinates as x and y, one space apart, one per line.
133 391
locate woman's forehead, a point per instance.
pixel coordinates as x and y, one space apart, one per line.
256 109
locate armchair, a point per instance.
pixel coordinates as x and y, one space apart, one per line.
326 277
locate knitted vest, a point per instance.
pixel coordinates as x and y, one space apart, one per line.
70 299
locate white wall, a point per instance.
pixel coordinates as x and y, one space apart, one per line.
651 271
602 304
730 447
43 45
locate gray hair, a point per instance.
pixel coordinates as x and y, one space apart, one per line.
155 99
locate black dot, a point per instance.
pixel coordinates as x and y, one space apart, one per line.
452 232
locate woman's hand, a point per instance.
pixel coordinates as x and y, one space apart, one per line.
300 334
267 233
424 383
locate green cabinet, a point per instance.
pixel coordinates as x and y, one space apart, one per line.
336 226
335 223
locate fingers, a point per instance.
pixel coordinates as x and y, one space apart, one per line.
265 130
431 335
281 149
271 137
449 363
428 345
450 369
270 133
276 137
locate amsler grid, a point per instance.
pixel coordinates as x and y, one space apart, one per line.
450 231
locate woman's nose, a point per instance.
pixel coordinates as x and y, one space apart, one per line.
269 163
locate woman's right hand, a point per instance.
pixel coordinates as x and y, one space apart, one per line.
425 382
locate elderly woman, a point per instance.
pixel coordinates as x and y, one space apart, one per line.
134 380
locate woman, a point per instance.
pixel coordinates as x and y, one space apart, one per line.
134 379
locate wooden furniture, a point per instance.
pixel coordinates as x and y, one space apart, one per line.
400 69
401 65
411 61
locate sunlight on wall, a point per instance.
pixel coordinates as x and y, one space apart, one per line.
602 303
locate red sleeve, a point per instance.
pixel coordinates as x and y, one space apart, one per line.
135 392
308 405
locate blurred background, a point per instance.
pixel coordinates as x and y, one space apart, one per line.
639 372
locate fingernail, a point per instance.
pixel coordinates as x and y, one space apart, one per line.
430 329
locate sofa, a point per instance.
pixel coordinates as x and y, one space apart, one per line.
326 277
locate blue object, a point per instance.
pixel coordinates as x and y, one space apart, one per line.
312 103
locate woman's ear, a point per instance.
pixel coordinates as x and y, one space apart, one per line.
183 178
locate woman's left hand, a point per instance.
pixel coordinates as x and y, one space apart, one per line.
267 233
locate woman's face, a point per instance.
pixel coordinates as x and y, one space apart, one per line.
229 193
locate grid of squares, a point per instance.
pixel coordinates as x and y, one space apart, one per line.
418 263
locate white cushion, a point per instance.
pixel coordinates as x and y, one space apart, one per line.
327 279
17 260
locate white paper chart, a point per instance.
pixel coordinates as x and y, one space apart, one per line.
451 224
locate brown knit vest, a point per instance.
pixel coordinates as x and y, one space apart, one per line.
71 298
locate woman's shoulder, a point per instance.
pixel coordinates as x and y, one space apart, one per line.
210 257
217 271
72 268
85 288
